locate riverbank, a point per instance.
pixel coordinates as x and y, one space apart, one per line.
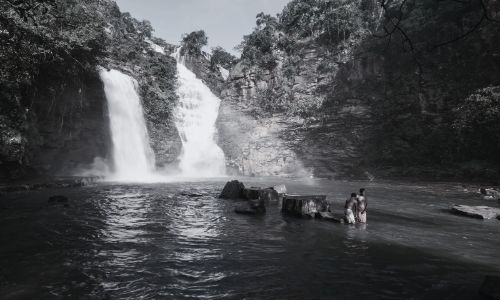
47 183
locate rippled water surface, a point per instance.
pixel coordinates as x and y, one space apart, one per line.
178 241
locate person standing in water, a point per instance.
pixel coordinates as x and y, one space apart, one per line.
351 209
362 203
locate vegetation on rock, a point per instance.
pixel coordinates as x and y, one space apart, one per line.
395 74
51 98
193 42
221 57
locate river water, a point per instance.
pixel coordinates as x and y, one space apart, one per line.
178 241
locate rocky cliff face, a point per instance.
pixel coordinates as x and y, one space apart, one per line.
365 105
326 145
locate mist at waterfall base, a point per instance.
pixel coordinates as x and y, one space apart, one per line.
133 159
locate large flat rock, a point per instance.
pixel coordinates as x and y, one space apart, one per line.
478 212
305 205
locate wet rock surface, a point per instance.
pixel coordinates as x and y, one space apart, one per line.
477 212
233 190
58 199
269 195
253 207
305 206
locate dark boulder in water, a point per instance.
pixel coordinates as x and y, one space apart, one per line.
252 193
265 194
308 205
253 207
58 199
491 287
269 195
478 212
233 190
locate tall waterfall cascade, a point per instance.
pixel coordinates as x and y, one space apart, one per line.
196 115
133 158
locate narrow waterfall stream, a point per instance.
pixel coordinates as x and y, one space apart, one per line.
133 158
195 120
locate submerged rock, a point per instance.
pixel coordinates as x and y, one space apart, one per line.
252 193
269 195
265 194
478 212
328 216
233 190
192 195
309 205
491 287
58 199
253 207
490 194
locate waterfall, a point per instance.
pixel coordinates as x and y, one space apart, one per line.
196 115
133 157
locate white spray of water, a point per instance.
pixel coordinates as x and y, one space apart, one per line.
195 120
132 155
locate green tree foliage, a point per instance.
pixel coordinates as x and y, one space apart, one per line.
35 32
221 57
258 47
193 42
325 21
477 125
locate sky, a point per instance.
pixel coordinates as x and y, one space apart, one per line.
224 21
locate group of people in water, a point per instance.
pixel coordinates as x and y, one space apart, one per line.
355 208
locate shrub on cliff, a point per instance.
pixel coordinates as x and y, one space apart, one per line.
193 42
221 57
258 47
476 121
327 22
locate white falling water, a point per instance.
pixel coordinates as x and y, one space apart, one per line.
195 120
132 155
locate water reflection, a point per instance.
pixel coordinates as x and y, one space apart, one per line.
179 241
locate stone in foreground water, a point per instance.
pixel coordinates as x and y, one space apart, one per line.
58 199
491 287
252 193
233 190
269 195
478 212
309 205
254 207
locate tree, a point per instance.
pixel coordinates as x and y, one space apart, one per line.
193 42
476 122
258 46
221 57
